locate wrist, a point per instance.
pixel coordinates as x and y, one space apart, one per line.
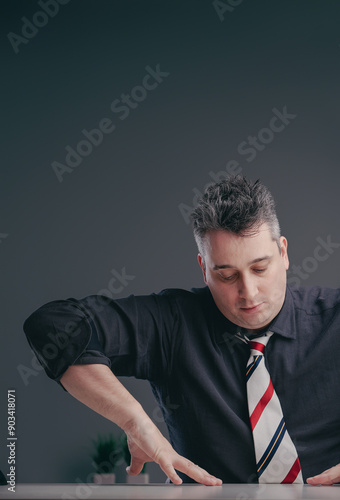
135 419
140 426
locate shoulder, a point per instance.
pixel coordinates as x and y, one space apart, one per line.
315 299
198 300
195 295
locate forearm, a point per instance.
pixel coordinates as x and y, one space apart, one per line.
99 389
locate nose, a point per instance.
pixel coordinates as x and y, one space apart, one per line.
247 288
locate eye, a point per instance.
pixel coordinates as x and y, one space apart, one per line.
260 270
227 278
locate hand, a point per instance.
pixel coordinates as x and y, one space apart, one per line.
329 476
147 444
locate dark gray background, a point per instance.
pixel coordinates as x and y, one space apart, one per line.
120 207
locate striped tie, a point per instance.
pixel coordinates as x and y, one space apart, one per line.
276 456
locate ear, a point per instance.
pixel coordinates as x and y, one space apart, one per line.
284 253
202 266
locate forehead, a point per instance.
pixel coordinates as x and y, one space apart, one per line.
225 248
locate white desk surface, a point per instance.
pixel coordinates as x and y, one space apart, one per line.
90 491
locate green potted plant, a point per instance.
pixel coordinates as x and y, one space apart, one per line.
143 477
107 454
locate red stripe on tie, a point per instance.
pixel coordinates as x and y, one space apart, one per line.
293 473
261 405
257 345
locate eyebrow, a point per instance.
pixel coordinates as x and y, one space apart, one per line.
228 266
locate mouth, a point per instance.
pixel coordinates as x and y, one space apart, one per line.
252 309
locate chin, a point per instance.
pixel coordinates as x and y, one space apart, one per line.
255 325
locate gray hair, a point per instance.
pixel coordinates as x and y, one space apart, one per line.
237 205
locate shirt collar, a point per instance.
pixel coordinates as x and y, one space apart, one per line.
284 323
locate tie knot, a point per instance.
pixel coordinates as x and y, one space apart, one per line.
258 346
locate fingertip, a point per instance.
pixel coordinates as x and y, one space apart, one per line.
215 481
176 480
312 480
131 472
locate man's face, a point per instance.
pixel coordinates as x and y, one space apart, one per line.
246 275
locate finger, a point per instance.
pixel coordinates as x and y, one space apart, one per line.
199 475
320 479
192 470
328 477
169 470
135 466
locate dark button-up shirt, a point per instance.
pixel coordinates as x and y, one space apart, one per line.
196 364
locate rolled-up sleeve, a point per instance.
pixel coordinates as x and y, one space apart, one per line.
58 333
132 335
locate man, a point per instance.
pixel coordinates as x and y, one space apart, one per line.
194 348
